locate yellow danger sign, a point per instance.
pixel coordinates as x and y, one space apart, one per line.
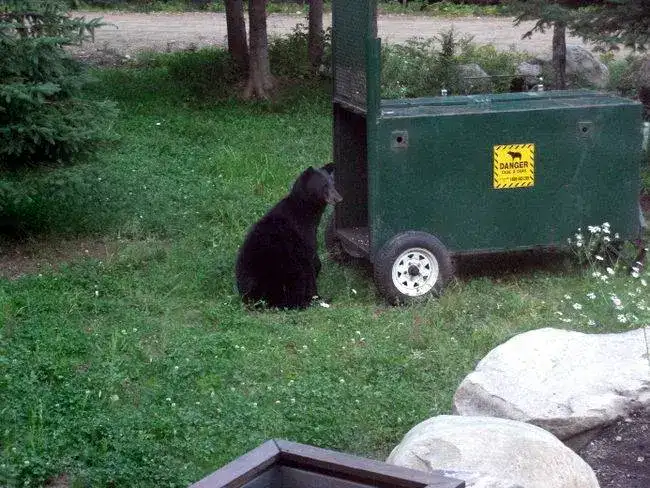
514 166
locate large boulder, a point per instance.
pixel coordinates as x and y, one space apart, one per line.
489 452
474 79
583 64
569 383
531 71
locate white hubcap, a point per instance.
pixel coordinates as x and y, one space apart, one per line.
415 272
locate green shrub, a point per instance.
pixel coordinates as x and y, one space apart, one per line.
206 73
423 67
43 117
289 55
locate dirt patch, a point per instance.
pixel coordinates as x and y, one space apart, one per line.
60 481
620 455
25 257
126 33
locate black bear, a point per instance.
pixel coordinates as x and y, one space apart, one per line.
278 263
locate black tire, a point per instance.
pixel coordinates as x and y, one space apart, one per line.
425 272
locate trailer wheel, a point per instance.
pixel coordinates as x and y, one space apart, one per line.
412 266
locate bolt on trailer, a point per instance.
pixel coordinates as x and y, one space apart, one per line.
427 179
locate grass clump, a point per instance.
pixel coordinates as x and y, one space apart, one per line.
140 367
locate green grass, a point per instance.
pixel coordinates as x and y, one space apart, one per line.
140 367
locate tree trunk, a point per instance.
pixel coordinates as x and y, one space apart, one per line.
315 34
260 81
236 27
559 55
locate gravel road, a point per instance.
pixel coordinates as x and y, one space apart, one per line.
130 33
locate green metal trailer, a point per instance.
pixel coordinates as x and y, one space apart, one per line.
426 179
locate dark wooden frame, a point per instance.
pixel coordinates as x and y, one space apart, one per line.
311 466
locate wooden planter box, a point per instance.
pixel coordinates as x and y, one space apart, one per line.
283 464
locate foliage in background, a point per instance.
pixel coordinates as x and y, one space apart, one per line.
615 22
417 7
43 116
623 73
290 57
422 67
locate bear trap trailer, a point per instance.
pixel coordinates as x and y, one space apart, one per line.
427 179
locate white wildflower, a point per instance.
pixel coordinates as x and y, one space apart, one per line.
616 301
610 271
577 306
599 258
591 295
622 318
591 322
567 297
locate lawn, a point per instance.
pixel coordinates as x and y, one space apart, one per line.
139 366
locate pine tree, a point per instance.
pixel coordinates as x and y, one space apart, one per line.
557 15
615 22
43 117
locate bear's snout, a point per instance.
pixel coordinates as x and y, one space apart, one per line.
333 196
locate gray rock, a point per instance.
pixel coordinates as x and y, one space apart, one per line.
474 79
566 382
583 64
489 452
531 71
644 73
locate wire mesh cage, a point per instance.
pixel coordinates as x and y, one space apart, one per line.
354 22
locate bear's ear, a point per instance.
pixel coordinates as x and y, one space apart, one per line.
329 167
